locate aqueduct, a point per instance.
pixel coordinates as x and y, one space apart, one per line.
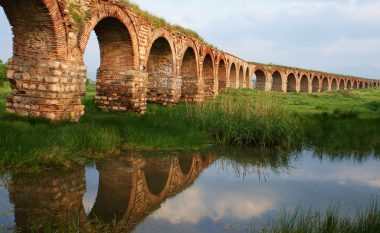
129 189
140 62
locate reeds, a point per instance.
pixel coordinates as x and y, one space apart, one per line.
329 221
253 119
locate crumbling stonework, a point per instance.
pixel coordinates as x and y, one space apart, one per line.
140 62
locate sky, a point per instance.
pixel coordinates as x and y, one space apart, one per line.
336 36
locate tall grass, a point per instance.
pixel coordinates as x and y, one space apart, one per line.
311 221
254 119
32 143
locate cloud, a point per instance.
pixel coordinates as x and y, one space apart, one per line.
220 205
331 35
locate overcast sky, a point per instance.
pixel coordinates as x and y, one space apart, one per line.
330 35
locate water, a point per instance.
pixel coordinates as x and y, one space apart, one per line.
204 191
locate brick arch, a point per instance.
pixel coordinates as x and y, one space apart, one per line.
189 73
160 62
315 83
341 84
208 75
39 31
349 84
325 84
116 192
110 12
158 34
334 84
185 164
241 76
355 84
193 164
162 173
291 83
233 75
261 78
277 81
247 78
304 83
222 73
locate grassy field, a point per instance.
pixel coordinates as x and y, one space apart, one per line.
334 123
35 143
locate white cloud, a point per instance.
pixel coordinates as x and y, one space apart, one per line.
331 35
203 204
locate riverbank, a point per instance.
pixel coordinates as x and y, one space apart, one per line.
336 122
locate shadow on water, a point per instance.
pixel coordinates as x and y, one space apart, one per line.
132 187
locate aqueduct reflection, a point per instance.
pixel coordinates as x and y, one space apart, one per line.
129 189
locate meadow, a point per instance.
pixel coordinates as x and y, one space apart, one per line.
335 123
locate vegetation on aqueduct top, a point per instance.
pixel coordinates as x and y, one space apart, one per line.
161 22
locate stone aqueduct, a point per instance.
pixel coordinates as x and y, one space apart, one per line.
140 62
130 188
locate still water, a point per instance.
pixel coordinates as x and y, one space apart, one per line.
203 191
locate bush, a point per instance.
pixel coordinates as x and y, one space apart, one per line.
3 73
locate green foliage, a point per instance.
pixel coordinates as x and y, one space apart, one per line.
310 221
3 73
160 22
77 14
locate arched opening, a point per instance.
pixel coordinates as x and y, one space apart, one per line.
325 84
208 77
189 73
33 27
365 85
39 38
222 75
116 58
157 174
185 164
276 81
260 80
315 84
233 76
292 83
355 86
361 85
247 79
114 191
161 73
304 84
341 84
349 84
334 85
241 77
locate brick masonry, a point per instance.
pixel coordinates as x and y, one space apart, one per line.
140 62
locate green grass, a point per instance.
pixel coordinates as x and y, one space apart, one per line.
247 118
3 73
329 123
34 143
333 122
329 221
